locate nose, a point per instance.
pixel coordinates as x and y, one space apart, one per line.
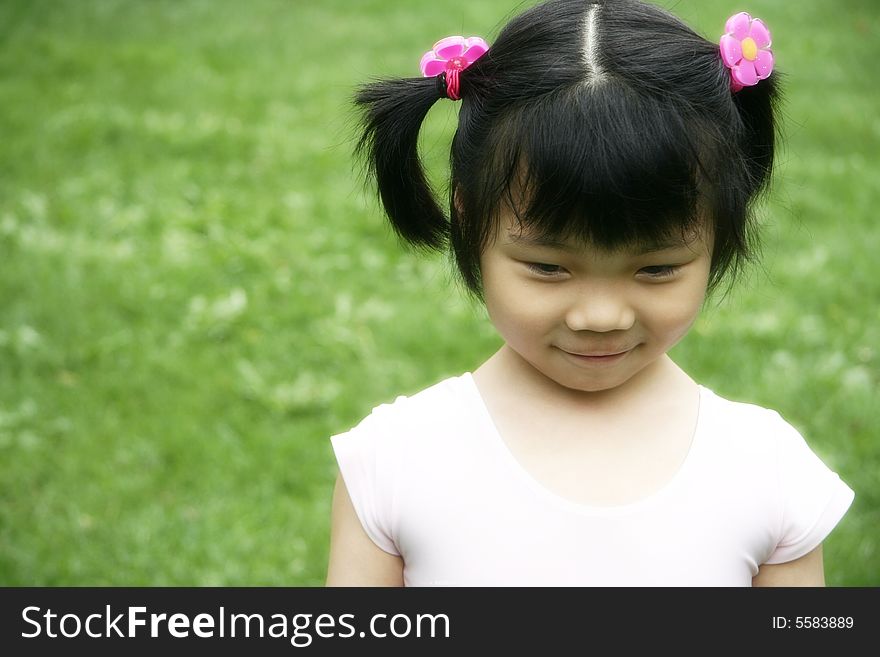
600 310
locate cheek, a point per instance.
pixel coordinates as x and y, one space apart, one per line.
677 314
518 309
515 307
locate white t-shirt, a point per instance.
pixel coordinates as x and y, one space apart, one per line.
432 480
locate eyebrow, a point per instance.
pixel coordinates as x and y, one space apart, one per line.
549 242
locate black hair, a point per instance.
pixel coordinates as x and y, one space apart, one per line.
605 120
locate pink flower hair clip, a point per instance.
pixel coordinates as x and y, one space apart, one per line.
449 57
745 50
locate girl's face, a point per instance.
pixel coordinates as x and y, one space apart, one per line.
586 318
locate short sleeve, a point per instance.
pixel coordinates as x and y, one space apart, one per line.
813 498
366 467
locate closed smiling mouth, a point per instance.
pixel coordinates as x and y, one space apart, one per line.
599 353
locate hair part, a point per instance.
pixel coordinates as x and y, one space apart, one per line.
595 74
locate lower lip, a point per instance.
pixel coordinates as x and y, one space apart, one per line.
599 360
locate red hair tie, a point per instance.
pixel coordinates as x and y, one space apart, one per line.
451 79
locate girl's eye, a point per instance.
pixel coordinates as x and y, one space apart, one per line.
543 269
661 271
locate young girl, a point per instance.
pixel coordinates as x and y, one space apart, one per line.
602 175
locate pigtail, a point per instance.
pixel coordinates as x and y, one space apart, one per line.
757 107
392 115
743 172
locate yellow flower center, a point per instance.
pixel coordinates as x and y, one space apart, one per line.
750 49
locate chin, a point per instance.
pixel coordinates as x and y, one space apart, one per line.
585 384
592 386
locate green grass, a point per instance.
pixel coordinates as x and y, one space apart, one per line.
197 292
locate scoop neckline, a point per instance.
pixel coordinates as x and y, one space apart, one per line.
554 498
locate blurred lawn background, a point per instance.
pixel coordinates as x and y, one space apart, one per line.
197 291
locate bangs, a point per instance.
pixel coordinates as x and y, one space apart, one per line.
603 165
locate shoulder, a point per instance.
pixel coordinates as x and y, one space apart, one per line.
758 442
739 414
748 427
420 415
433 400
755 429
